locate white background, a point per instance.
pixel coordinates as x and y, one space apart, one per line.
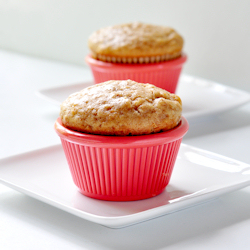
216 32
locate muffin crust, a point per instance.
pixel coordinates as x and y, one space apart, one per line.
135 43
121 108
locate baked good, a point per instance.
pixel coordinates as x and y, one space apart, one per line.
135 43
107 163
121 107
141 52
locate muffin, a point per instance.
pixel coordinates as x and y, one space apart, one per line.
135 43
121 139
137 51
121 108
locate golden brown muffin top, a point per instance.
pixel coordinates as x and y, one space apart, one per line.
121 108
133 41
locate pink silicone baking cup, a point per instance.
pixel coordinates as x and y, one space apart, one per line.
163 74
121 168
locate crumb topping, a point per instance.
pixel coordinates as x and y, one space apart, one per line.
134 40
121 108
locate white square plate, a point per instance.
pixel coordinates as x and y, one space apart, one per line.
200 97
198 176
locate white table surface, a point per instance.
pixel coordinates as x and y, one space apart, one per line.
27 124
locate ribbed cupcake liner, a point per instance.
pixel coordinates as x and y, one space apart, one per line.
163 79
163 74
121 174
109 169
136 60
